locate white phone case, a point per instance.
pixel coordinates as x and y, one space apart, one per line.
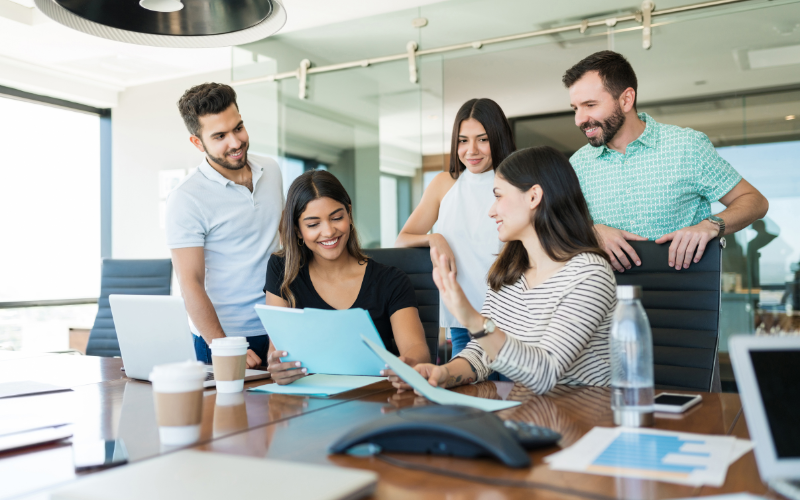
696 398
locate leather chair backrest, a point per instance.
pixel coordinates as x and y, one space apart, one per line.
416 263
128 277
683 308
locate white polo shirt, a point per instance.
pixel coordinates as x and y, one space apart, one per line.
238 231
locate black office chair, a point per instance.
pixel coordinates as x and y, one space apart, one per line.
683 308
129 277
416 263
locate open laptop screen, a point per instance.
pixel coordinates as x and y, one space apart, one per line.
777 375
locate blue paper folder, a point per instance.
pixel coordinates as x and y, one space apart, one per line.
325 341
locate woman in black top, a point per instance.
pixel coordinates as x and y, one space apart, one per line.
321 266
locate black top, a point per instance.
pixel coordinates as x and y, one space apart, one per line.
384 291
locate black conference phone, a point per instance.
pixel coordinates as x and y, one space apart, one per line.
453 430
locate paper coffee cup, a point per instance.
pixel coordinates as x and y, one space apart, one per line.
230 413
229 357
178 393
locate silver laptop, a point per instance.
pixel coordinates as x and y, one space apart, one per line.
767 373
154 330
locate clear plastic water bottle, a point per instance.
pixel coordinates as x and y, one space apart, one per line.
631 361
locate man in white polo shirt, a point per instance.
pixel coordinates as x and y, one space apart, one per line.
222 224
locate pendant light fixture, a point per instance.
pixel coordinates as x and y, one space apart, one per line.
170 23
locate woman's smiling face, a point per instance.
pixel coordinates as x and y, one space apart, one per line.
325 228
512 210
473 146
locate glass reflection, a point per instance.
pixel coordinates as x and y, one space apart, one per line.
230 414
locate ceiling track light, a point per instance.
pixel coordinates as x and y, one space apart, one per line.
170 23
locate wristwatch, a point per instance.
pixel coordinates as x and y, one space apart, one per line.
488 327
719 222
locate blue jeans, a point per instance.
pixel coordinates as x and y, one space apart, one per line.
460 338
259 344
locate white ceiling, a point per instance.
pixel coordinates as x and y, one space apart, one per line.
41 56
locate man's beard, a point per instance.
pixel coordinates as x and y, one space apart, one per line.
608 128
223 162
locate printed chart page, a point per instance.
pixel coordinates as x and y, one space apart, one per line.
675 457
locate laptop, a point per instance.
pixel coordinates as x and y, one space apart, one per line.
202 475
154 330
767 373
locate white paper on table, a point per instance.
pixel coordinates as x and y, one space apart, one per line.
28 387
36 436
320 385
16 423
674 457
435 394
740 447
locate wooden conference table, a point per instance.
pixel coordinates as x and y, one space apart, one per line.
104 404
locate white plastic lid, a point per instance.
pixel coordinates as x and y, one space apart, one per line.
174 372
229 342
629 292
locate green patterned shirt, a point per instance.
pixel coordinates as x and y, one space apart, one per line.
665 181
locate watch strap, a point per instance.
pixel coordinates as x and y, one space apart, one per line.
720 222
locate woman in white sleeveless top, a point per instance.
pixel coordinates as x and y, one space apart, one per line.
456 206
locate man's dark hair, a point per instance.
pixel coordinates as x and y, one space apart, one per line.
205 99
615 71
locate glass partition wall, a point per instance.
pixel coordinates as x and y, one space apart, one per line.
732 72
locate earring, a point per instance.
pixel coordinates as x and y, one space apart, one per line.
301 241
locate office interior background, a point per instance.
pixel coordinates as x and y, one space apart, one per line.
94 141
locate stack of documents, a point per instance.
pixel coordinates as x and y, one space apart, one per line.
28 388
673 457
17 431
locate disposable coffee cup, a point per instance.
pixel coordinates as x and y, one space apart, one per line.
229 357
230 414
178 393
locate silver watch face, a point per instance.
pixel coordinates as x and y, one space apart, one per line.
488 325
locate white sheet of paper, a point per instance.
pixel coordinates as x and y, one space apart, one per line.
320 385
674 457
37 436
28 387
435 394
740 447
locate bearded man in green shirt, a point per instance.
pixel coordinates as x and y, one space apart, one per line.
645 180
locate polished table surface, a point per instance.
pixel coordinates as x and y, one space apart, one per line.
103 404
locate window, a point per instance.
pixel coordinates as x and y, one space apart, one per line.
50 203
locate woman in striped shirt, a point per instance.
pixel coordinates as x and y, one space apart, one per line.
552 291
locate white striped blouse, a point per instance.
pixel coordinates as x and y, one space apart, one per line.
557 332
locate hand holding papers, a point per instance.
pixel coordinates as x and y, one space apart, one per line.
435 394
323 341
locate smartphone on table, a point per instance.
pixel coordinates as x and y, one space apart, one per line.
675 403
100 454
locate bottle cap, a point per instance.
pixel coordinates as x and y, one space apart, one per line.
629 292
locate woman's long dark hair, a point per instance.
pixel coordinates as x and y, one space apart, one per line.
310 186
498 130
561 221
